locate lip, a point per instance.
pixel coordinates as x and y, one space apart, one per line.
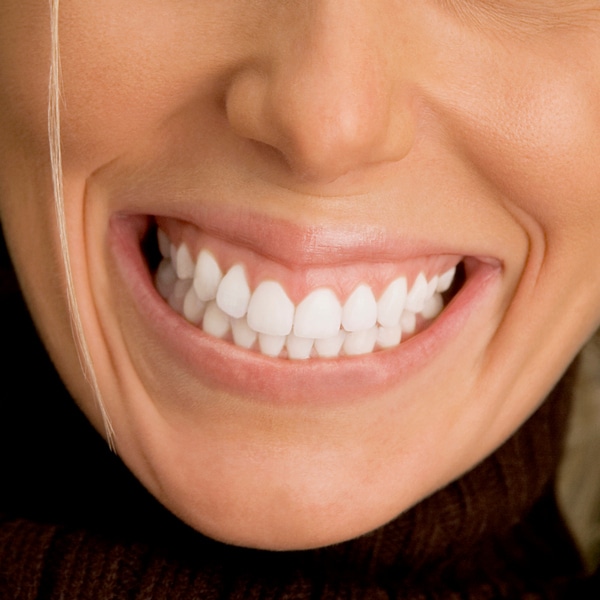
234 370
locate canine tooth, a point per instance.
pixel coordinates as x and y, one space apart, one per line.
446 280
215 322
330 347
184 265
164 244
193 307
319 315
391 303
233 293
165 278
408 322
433 307
360 342
243 334
207 276
298 347
180 289
388 337
270 310
417 295
360 310
271 345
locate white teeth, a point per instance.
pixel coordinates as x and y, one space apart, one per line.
180 289
164 245
233 294
193 307
360 310
330 347
408 322
243 334
298 347
388 337
207 276
432 286
319 315
391 303
270 310
184 265
165 278
360 342
215 322
446 280
267 320
433 307
271 345
417 295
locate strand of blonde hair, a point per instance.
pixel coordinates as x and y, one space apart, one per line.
54 101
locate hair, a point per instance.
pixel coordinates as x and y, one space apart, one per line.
54 103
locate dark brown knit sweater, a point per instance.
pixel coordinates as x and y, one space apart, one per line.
76 525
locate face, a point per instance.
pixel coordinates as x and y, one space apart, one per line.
334 163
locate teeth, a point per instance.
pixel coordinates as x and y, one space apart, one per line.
330 347
243 335
388 337
432 286
266 320
184 265
319 315
360 342
391 304
270 310
193 307
215 322
298 347
233 294
165 278
408 322
360 311
180 289
417 295
446 280
271 345
207 276
433 307
164 245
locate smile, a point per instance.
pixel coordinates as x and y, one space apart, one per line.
349 317
263 274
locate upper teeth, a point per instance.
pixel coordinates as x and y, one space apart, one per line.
267 320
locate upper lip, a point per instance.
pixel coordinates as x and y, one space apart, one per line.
322 244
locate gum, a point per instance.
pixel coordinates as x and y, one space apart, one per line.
299 280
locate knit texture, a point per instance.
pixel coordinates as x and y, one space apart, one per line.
76 525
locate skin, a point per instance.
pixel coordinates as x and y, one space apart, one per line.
471 124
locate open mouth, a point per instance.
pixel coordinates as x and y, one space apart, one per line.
314 312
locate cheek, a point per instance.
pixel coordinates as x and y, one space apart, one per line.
539 148
24 71
130 70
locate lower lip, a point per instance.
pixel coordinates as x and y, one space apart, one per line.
220 364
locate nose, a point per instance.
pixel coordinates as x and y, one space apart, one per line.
327 94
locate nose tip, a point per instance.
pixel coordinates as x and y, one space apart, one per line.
328 107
